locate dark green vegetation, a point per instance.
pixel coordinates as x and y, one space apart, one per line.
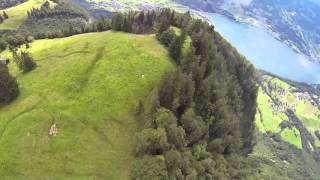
24 61
274 158
201 121
78 105
3 17
8 86
53 19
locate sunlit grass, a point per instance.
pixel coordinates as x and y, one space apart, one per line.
271 117
18 14
89 86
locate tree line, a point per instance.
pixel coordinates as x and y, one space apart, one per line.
9 88
62 20
200 124
61 9
12 40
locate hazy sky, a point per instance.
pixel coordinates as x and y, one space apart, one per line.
316 1
247 2
241 2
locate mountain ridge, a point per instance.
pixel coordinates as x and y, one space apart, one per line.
287 119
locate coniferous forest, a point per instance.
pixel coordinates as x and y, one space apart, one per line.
201 120
199 124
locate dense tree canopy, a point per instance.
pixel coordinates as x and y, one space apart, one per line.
203 125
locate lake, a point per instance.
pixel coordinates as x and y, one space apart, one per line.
266 52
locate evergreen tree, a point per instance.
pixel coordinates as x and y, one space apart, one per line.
127 24
117 22
149 167
3 44
176 136
167 37
151 141
23 60
5 15
204 111
9 89
175 48
163 25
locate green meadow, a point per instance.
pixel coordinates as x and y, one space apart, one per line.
270 116
88 86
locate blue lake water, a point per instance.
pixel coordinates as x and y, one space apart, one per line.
266 52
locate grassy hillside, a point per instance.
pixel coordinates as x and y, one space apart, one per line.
18 14
287 145
88 86
275 98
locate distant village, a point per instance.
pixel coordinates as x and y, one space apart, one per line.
278 94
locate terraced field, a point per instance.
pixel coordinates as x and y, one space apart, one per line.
86 89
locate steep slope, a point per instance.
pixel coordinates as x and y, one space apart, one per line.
84 93
291 110
289 97
287 120
17 14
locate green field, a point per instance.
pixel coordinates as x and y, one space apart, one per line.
18 14
278 158
270 115
88 85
